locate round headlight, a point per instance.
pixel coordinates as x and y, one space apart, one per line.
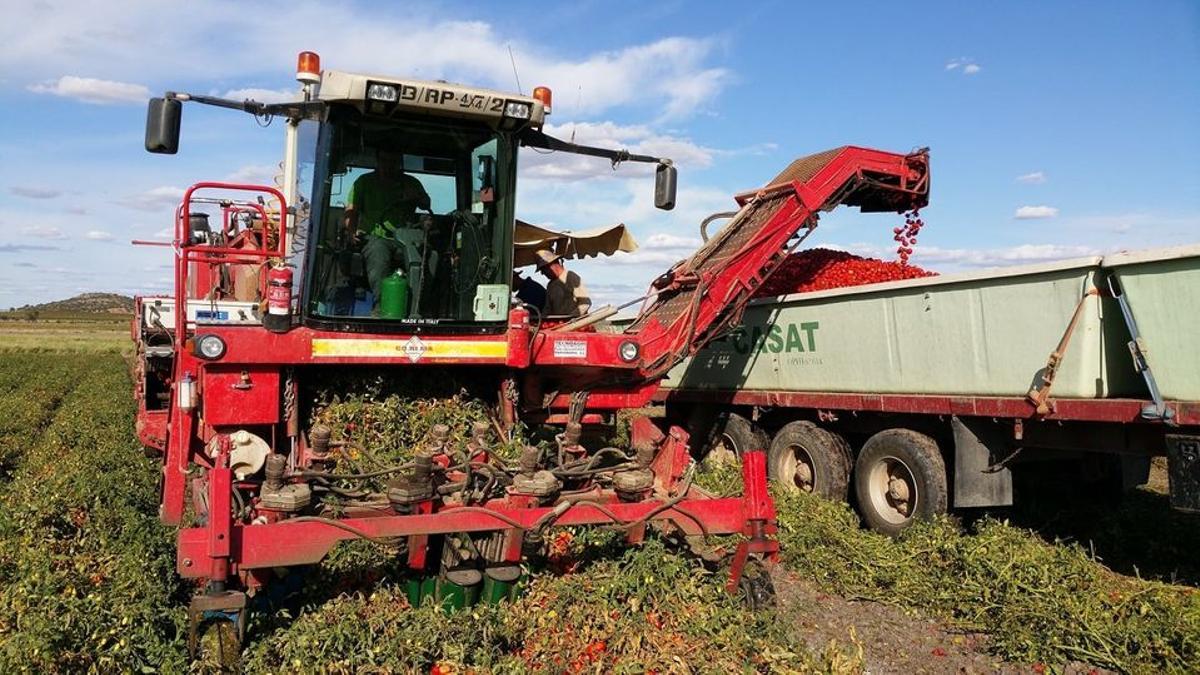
628 351
210 347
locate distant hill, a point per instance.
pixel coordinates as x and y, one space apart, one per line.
86 303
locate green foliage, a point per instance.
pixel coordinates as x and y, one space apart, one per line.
86 572
647 609
1039 602
389 417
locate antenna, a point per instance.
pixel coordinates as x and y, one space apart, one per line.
515 75
578 106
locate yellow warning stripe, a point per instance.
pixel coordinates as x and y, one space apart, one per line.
408 348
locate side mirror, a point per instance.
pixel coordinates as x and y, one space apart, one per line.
162 125
665 179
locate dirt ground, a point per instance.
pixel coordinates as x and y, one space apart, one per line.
892 639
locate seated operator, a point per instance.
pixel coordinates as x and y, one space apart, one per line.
528 291
382 205
565 293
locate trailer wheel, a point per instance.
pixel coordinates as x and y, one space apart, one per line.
806 458
731 436
899 477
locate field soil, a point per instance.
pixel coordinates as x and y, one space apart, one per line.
893 639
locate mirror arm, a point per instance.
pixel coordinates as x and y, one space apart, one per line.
294 109
536 139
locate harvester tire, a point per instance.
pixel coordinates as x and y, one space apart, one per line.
806 458
731 436
899 478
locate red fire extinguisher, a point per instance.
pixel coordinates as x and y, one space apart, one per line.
278 318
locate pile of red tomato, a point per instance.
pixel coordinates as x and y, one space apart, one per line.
820 269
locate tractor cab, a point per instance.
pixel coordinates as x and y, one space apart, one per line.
400 196
412 208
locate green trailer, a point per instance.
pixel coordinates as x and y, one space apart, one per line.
882 387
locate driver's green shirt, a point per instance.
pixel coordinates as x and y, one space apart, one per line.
384 205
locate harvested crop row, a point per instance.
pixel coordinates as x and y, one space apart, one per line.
86 571
30 391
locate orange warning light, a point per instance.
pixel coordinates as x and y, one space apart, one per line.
308 67
544 95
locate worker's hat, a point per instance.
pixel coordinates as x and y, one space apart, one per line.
545 257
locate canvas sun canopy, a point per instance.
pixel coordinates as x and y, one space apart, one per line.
582 244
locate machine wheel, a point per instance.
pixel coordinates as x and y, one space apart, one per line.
732 435
218 647
899 477
805 458
756 586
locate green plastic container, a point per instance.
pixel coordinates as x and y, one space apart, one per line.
417 588
393 296
501 583
454 596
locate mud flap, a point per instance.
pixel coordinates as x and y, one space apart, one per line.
977 447
1183 469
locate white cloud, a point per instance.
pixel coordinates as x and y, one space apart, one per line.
263 95
155 199
669 78
1036 177
92 90
43 232
34 192
967 66
638 139
1035 212
936 258
98 235
25 248
257 174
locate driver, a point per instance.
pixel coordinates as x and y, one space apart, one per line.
383 205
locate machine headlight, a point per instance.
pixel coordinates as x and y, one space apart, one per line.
210 347
382 92
517 110
629 351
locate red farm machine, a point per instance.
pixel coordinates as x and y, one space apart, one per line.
267 300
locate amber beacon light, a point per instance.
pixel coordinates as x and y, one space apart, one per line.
544 95
308 67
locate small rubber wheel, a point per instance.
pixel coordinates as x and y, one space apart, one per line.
731 436
757 589
219 647
899 477
806 458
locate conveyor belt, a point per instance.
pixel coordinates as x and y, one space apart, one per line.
706 293
715 254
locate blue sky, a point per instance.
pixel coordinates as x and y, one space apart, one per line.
1079 117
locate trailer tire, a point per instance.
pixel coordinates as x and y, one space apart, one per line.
899 478
806 458
731 436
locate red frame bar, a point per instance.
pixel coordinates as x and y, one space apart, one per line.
286 543
1122 410
187 254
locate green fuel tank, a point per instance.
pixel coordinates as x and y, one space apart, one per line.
393 296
